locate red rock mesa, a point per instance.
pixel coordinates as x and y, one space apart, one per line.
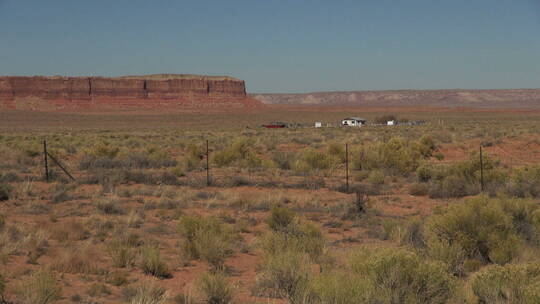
151 91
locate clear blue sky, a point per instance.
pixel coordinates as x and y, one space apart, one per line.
281 46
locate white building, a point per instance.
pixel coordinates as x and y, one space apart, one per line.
391 123
353 122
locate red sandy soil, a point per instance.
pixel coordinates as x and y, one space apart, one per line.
524 150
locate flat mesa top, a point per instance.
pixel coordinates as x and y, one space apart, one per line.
142 77
178 76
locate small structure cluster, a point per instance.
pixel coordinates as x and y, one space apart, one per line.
353 122
348 122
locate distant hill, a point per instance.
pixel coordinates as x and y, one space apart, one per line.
514 98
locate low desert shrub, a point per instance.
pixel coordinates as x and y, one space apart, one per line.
152 263
207 238
339 287
282 219
289 233
5 192
308 240
524 182
462 178
482 229
284 274
284 160
40 288
110 206
313 160
507 284
399 276
426 146
106 156
100 155
418 189
98 290
240 153
9 177
150 158
289 250
413 234
337 150
394 157
215 289
376 177
117 278
2 288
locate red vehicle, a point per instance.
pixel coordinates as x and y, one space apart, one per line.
275 125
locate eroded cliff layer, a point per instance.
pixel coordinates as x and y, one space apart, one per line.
518 98
151 91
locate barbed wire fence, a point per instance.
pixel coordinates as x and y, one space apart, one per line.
283 176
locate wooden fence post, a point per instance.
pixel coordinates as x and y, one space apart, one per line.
347 165
207 165
46 161
481 170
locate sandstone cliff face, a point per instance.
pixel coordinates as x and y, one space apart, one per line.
152 91
520 98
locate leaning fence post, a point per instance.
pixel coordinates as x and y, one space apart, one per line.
61 167
46 161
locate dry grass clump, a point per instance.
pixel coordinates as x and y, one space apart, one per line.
288 233
152 263
40 288
70 230
110 206
282 220
148 292
134 219
18 240
98 290
76 259
61 193
36 245
215 289
284 274
207 238
289 251
121 252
